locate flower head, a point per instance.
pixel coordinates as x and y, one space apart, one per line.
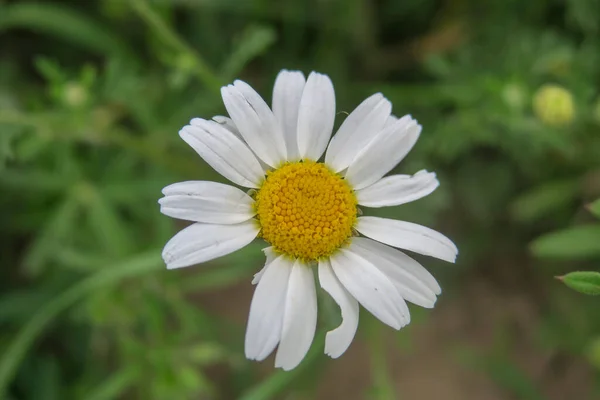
306 208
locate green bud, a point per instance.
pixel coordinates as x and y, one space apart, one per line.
75 95
554 105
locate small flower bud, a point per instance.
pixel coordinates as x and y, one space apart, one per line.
554 105
75 95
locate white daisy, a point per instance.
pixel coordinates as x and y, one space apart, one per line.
307 210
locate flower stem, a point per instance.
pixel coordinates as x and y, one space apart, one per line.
383 388
171 39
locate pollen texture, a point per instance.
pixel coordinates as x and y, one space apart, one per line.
305 210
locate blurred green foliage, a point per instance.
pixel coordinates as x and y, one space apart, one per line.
92 95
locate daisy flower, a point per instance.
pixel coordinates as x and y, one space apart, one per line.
306 208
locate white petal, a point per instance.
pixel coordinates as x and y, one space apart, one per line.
287 93
226 123
357 130
299 319
386 150
223 151
371 288
316 116
255 121
270 255
411 287
390 121
200 242
338 340
266 310
408 236
398 189
209 202
402 260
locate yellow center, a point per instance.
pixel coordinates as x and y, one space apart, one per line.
305 210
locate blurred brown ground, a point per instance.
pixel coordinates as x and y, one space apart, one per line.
430 370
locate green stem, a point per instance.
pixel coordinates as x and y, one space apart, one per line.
384 389
281 380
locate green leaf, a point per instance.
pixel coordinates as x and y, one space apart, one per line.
108 227
115 385
50 70
17 349
578 242
594 208
48 382
59 226
544 200
15 306
6 147
586 282
255 41
62 22
76 259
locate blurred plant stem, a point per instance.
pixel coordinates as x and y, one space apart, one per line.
383 388
280 380
146 149
171 39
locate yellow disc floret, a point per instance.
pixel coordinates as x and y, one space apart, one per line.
305 210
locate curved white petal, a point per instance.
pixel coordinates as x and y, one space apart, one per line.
299 319
402 260
255 122
390 121
382 153
287 93
398 189
371 288
338 340
411 287
408 236
200 242
316 116
226 123
270 256
223 151
357 130
204 201
267 309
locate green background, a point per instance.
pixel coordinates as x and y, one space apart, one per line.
93 93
